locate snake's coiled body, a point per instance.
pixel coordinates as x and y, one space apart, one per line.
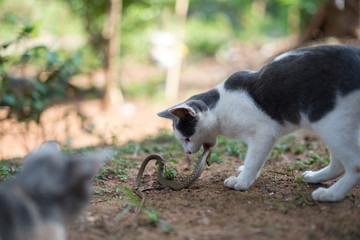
175 185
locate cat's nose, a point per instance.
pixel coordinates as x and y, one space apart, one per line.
188 152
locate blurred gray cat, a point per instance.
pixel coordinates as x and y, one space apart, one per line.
50 190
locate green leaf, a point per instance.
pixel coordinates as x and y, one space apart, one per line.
6 44
25 57
52 58
130 194
28 29
317 157
11 18
122 213
38 105
9 99
41 88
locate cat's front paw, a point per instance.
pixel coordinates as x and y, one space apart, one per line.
326 195
230 182
235 183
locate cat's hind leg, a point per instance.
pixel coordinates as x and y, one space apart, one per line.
340 132
350 158
334 170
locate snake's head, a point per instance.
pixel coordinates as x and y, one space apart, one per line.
208 148
208 158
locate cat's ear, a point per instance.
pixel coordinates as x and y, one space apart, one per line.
178 111
49 148
166 114
84 167
182 111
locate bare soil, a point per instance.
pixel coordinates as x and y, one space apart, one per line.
276 206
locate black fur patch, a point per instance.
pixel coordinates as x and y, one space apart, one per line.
306 82
186 125
209 98
200 103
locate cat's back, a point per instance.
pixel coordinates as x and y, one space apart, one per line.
336 65
305 81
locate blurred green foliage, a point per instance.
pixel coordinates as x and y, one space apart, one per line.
210 23
214 33
28 98
245 20
78 25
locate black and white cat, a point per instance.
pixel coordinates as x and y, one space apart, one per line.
316 88
50 190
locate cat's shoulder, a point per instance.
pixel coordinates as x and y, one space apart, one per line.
205 100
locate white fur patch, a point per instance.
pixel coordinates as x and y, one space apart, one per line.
241 118
288 54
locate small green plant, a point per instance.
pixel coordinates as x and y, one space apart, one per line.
300 179
282 147
299 149
215 158
314 158
165 136
154 148
163 142
283 205
7 172
304 199
114 167
299 165
135 202
118 166
170 171
130 148
8 168
231 147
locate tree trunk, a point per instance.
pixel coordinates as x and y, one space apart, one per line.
111 34
334 19
173 73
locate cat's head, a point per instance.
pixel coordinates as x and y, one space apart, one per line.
192 124
55 179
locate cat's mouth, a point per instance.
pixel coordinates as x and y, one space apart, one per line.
206 146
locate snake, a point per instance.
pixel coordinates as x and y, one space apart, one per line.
174 185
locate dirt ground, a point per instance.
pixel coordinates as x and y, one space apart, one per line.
276 206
